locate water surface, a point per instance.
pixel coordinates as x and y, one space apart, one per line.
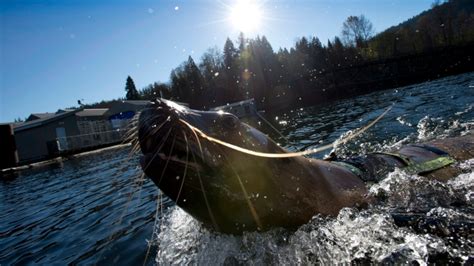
98 208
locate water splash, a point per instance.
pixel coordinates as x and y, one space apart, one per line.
412 219
371 235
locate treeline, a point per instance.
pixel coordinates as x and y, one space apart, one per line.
447 24
313 71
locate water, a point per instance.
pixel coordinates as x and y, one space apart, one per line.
88 210
97 209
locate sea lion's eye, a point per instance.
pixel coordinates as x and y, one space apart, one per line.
229 121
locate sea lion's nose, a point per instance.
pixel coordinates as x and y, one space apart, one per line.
144 125
151 125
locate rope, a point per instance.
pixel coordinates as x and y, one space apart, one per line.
290 154
271 126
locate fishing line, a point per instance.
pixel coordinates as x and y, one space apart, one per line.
290 154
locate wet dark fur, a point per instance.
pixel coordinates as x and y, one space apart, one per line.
233 192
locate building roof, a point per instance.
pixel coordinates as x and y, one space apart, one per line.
92 112
35 116
45 120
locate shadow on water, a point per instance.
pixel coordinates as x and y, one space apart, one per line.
82 211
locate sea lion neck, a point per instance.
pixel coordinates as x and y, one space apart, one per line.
325 186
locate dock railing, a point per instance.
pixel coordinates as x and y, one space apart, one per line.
90 140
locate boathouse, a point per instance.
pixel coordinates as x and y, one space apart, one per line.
46 135
42 136
121 112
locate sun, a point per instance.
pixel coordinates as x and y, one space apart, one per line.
246 16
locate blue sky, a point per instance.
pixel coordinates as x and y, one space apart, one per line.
53 53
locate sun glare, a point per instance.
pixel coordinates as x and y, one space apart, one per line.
246 16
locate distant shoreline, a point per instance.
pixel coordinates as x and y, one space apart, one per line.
376 75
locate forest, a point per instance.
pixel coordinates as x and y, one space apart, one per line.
435 43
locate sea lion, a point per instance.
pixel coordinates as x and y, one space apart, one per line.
232 192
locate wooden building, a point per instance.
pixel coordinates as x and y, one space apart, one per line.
41 138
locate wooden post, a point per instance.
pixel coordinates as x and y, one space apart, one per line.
8 152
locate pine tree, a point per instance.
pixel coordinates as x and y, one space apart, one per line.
194 82
242 42
132 93
230 54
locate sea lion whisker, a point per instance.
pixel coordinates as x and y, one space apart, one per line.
130 136
237 190
132 129
246 196
288 154
167 160
185 166
198 141
140 184
129 200
135 148
154 129
161 207
126 139
158 150
211 215
158 204
149 118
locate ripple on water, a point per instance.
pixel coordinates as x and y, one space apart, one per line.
371 235
413 219
82 211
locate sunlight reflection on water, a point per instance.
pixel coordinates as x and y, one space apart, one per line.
80 212
421 113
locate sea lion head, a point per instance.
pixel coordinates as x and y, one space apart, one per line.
225 189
